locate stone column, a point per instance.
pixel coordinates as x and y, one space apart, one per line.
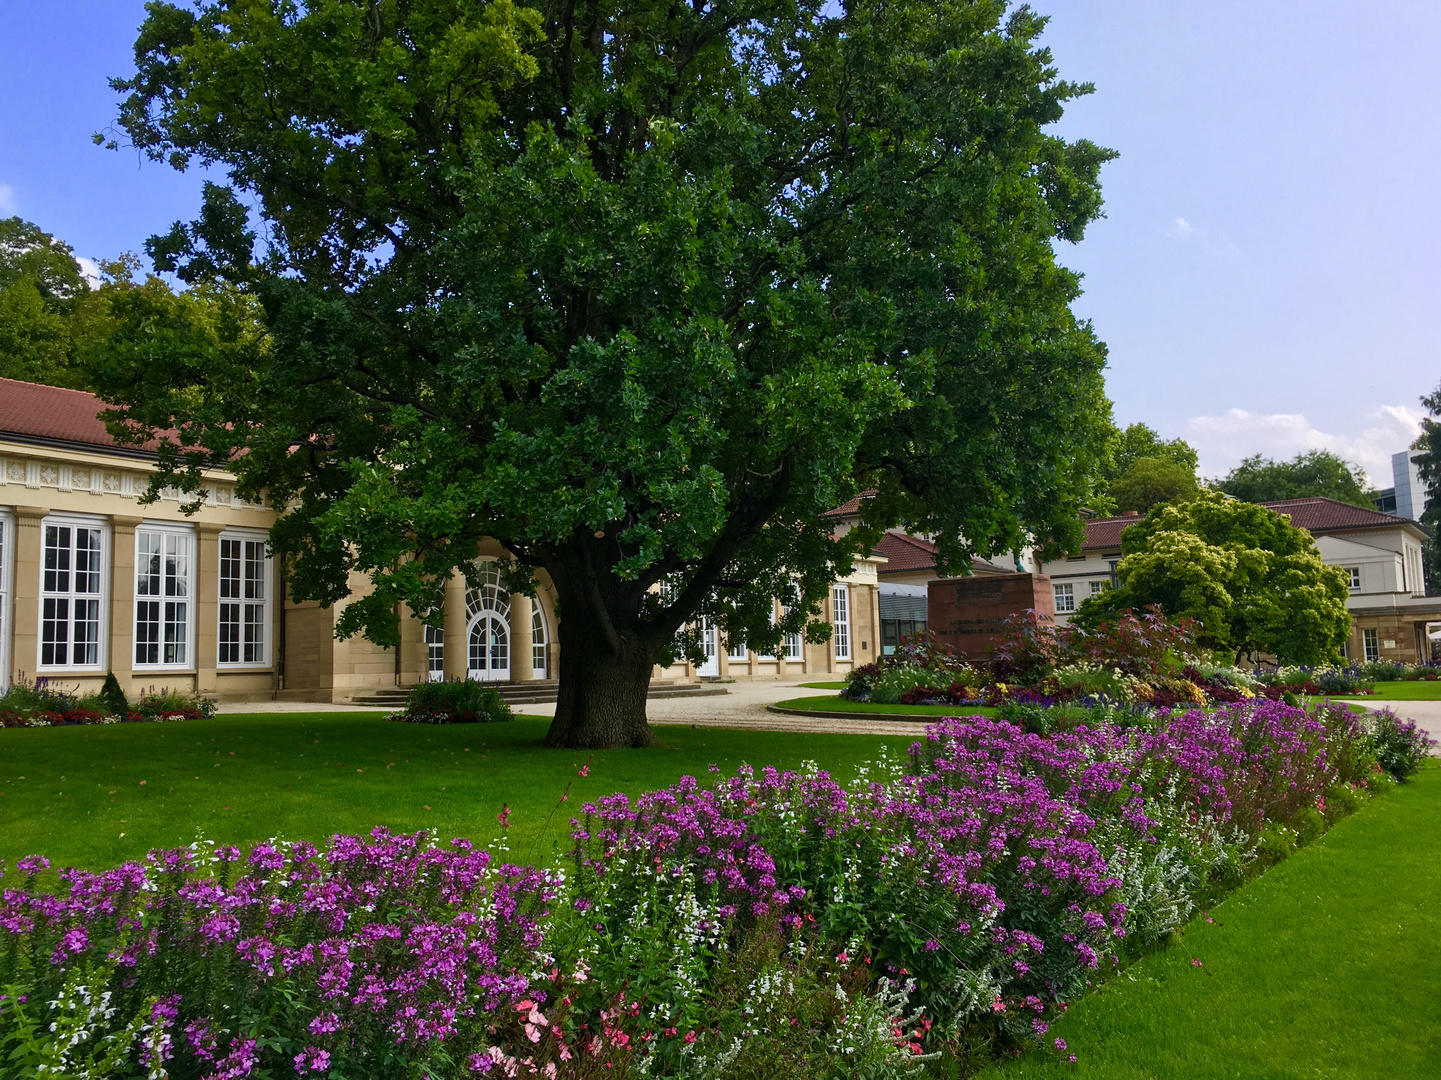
207 606
456 659
522 668
121 657
25 641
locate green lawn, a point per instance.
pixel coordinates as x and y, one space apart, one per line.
831 703
1327 966
823 685
76 793
1420 690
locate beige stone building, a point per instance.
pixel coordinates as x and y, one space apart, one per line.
91 582
1392 618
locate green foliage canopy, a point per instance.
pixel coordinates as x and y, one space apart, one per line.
1251 580
1311 474
1428 465
1151 481
639 292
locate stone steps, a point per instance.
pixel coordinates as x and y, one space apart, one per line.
542 692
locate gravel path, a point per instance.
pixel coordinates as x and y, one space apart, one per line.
1427 714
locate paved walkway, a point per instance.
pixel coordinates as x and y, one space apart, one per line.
744 707
1427 714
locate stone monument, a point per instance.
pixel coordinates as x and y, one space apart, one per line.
967 613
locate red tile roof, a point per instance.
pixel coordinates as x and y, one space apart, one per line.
907 554
852 507
50 413
1324 515
1314 515
1104 533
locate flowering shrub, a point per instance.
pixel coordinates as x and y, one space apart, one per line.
42 704
461 702
769 920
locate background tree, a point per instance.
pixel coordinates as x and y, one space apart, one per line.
1144 470
640 292
1428 464
49 313
1251 580
1151 481
1311 474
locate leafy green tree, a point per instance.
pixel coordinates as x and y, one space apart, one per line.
1151 481
1253 581
639 291
1142 469
27 252
1312 474
34 339
40 289
1428 464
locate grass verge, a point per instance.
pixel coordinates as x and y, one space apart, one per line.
96 796
822 685
1420 690
1329 965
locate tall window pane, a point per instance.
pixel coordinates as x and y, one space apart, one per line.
244 600
70 582
841 620
434 654
162 597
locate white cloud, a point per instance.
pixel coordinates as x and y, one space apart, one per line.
1182 229
7 200
88 270
1222 441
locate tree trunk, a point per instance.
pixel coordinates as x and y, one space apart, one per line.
602 694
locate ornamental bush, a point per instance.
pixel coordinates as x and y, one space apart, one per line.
719 927
462 702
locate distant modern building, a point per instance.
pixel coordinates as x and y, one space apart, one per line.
1407 496
1392 618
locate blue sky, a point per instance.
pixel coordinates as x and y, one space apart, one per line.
1266 278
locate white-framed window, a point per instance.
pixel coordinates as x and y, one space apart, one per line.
1353 575
245 590
737 650
1370 645
164 566
1065 598
791 647
434 654
841 620
7 545
72 587
1098 587
538 658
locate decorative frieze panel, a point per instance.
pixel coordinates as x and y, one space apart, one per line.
32 473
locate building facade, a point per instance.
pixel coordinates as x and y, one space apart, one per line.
1380 553
92 581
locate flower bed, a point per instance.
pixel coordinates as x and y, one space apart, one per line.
1138 660
42 704
716 928
459 702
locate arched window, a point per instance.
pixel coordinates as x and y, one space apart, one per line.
487 618
538 657
434 654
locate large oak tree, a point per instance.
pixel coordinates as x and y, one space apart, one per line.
639 290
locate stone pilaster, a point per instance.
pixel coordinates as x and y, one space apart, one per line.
121 655
522 668
25 643
207 606
456 659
